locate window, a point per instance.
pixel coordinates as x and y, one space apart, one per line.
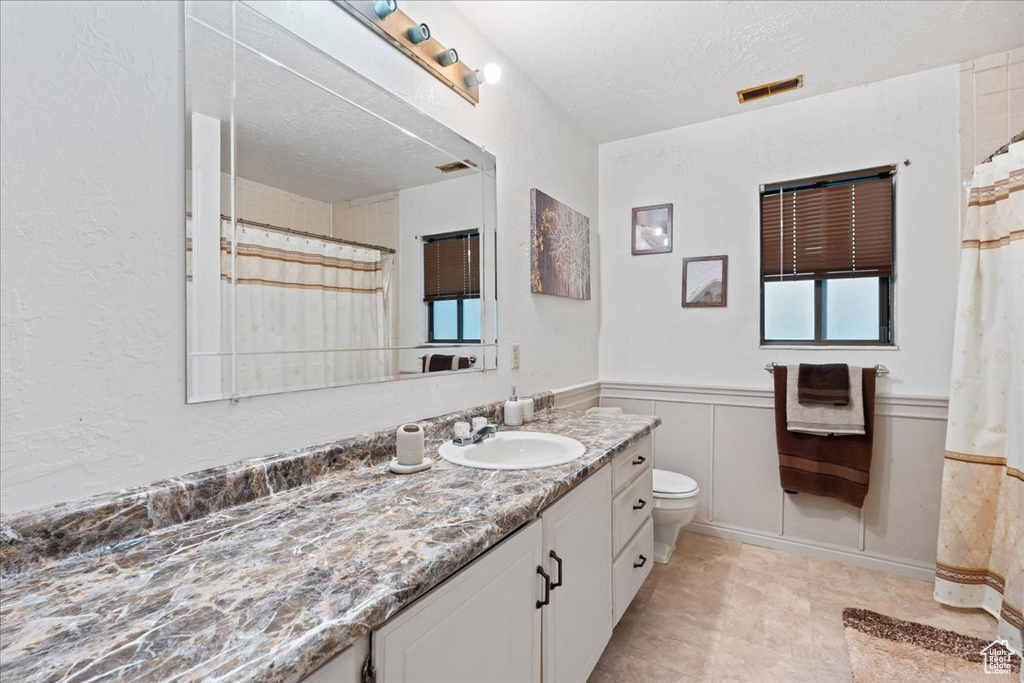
451 287
827 263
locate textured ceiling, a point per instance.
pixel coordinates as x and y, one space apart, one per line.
299 137
622 69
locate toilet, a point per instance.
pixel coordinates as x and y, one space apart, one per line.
675 504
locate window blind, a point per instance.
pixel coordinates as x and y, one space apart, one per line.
451 266
828 227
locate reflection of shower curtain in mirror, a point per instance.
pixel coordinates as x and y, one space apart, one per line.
300 299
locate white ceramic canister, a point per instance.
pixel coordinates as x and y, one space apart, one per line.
527 405
409 444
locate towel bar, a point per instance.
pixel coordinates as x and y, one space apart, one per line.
879 369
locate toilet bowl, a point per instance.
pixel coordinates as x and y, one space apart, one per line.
675 504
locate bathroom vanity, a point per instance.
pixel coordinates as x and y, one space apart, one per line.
540 606
315 562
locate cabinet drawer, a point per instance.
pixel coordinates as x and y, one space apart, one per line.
626 576
630 463
631 508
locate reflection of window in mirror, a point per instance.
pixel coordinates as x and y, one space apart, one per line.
451 287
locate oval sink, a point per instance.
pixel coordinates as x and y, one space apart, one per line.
514 451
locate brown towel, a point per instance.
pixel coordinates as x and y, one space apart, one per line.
828 383
835 466
441 363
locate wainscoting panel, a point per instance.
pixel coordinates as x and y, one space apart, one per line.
901 512
814 519
629 405
724 437
745 485
683 444
579 396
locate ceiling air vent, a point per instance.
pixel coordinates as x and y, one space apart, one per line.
456 166
769 89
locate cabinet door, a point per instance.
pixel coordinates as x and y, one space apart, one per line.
346 667
483 624
578 622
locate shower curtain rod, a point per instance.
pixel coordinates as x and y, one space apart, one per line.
1005 148
326 238
879 369
299 233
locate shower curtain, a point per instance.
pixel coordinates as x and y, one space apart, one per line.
981 529
299 299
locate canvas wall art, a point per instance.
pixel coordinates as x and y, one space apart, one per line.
559 248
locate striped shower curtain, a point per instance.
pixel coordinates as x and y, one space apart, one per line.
981 529
308 312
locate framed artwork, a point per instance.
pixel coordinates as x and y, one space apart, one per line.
652 229
559 248
705 281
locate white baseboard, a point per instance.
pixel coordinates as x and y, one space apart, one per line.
861 559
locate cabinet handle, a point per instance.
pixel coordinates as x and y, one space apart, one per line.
547 587
641 505
558 560
640 460
642 562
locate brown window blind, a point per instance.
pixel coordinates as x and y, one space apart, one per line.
451 266
828 227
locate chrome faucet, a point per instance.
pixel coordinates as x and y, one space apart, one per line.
477 436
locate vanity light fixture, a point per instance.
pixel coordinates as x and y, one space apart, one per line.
492 73
489 74
448 57
419 43
382 8
417 34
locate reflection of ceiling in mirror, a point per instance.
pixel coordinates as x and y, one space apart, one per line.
295 136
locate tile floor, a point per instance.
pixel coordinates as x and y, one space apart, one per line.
727 611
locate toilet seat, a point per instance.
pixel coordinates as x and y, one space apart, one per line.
674 486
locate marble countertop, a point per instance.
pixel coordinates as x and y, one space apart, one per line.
270 589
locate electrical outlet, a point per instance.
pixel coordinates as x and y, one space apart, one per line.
515 356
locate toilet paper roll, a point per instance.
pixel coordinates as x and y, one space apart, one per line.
409 444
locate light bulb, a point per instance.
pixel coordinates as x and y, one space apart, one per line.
492 73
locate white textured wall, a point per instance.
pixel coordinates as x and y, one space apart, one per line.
711 172
702 370
93 342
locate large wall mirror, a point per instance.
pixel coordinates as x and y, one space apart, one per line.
335 235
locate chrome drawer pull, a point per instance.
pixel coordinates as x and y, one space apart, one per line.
641 505
640 460
642 562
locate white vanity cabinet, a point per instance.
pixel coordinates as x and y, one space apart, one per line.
539 606
483 624
578 553
633 527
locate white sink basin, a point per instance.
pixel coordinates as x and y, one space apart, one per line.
514 451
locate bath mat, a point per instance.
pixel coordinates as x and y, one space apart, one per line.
884 649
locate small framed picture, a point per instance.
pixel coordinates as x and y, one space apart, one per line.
705 281
652 229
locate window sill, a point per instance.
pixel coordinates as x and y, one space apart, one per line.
447 345
830 347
